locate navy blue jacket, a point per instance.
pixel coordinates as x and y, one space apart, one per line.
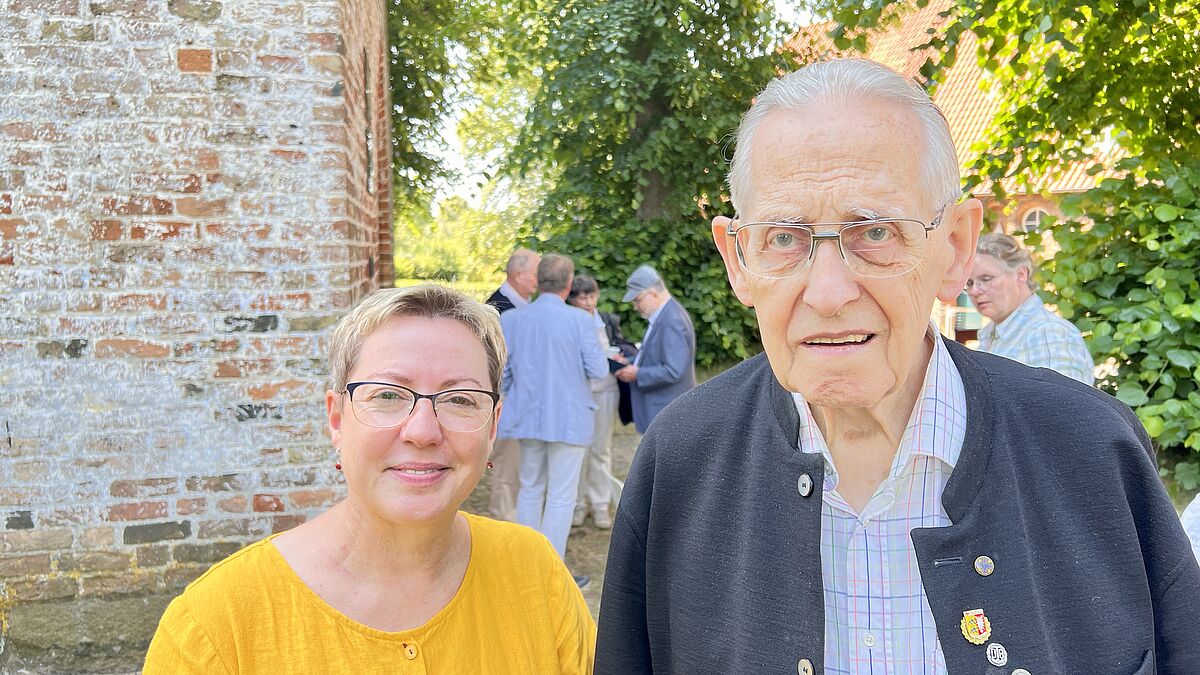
715 562
666 364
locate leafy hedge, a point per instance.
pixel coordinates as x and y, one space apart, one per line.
1127 274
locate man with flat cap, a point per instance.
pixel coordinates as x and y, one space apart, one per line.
665 366
865 496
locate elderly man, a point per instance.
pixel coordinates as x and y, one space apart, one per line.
1002 289
519 285
552 352
866 497
665 366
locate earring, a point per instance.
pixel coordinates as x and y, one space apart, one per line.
490 465
337 464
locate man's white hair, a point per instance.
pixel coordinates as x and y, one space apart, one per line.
849 81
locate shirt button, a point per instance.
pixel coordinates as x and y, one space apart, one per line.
410 651
805 485
869 639
804 667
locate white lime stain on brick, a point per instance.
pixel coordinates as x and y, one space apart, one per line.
176 228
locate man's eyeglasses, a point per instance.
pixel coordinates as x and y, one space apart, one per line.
877 248
383 405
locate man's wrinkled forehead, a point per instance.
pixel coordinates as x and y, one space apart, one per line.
811 162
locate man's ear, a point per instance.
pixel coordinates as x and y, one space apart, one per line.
962 233
737 276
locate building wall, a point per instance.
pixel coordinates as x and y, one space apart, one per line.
185 211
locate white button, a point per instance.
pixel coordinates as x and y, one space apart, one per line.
1021 671
805 485
869 639
804 667
997 655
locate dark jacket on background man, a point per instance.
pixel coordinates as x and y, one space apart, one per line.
715 560
612 326
666 365
497 300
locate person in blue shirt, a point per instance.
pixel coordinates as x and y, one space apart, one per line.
553 351
1023 329
665 367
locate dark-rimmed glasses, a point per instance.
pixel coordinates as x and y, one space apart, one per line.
383 405
875 248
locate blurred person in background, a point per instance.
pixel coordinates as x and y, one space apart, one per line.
665 366
504 480
595 478
394 575
553 352
1002 288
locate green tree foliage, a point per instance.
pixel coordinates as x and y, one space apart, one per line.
627 129
459 242
1075 79
427 38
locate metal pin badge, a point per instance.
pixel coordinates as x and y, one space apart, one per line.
985 566
997 655
976 627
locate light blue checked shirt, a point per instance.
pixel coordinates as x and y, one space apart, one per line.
877 618
1040 338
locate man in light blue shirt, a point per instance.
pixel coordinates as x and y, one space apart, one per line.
552 351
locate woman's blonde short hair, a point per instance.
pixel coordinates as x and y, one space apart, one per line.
429 301
1009 252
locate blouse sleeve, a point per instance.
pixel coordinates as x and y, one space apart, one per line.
180 645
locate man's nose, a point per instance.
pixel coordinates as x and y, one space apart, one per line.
831 284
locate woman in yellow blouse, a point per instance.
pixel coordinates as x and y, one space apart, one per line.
394 578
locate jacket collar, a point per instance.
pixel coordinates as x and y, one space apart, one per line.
968 473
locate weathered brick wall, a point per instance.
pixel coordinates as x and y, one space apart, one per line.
185 209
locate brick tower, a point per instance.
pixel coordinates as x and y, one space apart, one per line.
192 192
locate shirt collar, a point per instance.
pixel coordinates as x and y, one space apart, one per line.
936 428
513 296
1014 324
654 315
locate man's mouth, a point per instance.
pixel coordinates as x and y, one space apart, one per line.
840 340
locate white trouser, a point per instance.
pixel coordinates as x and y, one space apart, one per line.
549 483
505 477
595 482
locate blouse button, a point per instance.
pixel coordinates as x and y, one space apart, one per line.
410 651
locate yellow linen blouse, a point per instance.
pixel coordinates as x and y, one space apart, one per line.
518 611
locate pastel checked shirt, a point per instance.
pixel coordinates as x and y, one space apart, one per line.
877 618
1040 338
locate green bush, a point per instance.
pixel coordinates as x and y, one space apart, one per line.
1126 275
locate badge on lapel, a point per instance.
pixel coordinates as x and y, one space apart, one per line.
976 627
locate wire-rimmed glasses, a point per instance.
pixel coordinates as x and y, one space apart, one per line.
383 405
876 248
